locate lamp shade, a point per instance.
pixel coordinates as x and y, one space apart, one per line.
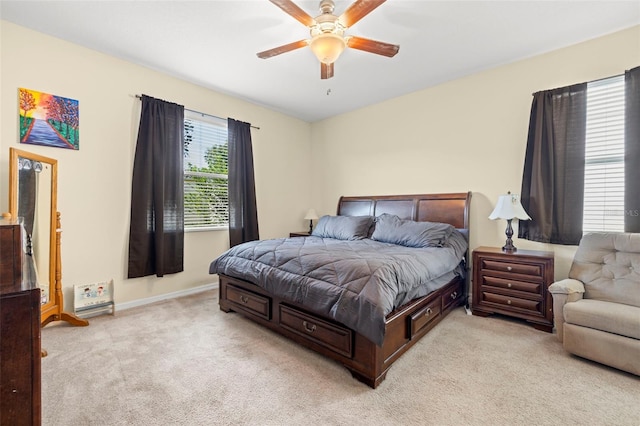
509 207
311 215
327 47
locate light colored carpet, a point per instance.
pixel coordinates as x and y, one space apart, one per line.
184 362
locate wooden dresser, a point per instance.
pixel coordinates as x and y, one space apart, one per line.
514 284
20 355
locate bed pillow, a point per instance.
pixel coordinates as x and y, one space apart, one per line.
391 229
343 227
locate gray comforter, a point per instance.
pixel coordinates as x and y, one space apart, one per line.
357 283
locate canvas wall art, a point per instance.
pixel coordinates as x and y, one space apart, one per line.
48 120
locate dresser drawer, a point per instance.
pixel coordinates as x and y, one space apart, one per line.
514 268
528 287
423 317
249 302
331 336
512 302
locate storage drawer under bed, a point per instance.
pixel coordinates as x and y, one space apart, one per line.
249 302
424 317
331 336
452 294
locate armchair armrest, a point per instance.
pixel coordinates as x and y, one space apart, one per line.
563 292
566 286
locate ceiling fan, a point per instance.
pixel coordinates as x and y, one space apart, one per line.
327 33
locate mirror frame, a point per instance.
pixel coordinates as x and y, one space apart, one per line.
52 310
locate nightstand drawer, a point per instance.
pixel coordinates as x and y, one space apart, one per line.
299 234
514 268
512 302
529 287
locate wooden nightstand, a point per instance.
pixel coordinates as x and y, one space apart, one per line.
514 284
299 234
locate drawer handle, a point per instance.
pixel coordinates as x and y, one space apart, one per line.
509 285
454 294
508 302
309 327
244 299
427 312
509 268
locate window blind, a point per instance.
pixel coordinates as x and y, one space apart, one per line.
206 201
604 156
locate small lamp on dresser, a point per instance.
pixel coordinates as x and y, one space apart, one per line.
509 207
311 216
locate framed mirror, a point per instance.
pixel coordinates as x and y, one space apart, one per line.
33 195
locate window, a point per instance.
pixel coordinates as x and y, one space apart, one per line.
206 201
604 156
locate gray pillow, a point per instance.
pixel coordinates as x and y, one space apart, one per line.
391 229
343 227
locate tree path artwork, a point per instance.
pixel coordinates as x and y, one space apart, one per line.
48 120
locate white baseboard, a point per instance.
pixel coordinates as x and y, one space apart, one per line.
172 295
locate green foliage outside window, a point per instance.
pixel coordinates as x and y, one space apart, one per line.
205 182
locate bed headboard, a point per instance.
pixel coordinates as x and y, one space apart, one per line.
446 208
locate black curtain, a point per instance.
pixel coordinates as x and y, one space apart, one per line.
632 151
553 178
243 213
156 236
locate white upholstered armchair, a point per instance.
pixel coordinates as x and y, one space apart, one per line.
597 309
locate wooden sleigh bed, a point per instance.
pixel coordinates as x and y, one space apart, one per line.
404 327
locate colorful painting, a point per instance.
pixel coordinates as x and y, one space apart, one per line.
48 120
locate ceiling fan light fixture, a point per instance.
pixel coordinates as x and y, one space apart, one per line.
327 41
327 47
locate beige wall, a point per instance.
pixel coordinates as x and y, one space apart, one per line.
466 135
94 182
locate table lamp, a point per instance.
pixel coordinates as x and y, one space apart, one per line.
509 208
311 216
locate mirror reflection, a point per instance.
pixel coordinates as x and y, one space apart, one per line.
34 206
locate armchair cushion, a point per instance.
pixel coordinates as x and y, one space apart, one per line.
609 266
610 317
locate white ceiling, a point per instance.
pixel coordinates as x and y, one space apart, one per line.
214 43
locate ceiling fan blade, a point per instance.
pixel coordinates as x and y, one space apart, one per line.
282 49
373 46
292 9
358 10
326 70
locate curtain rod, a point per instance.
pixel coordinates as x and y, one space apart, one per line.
590 81
204 113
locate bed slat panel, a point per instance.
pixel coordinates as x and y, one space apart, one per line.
404 209
356 208
445 211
